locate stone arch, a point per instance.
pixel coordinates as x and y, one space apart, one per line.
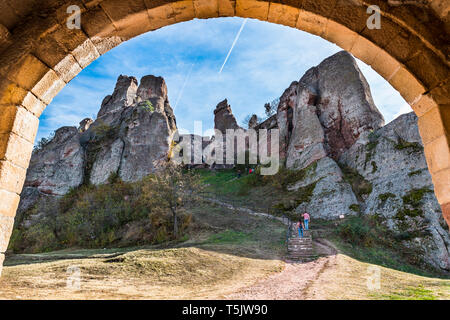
39 55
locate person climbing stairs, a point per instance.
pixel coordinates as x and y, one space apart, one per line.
300 248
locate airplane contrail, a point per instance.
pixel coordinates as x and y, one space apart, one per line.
234 43
184 86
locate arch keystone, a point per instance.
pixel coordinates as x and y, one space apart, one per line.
283 14
252 9
227 8
129 17
183 10
206 8
161 16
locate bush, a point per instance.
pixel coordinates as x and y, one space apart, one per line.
358 231
95 217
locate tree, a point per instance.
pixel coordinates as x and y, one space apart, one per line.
270 108
172 188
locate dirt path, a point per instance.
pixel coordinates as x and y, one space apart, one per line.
294 282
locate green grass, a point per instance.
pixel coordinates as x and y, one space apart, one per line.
229 236
362 237
412 293
382 256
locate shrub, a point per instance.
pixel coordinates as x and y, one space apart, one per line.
147 106
357 231
411 147
355 208
359 185
98 216
384 196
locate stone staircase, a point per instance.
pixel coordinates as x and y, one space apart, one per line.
301 249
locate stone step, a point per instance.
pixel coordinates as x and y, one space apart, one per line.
300 241
298 238
301 252
309 243
300 247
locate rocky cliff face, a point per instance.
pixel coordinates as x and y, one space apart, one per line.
131 137
333 107
331 129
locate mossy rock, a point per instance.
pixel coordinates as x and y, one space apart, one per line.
411 147
355 207
385 196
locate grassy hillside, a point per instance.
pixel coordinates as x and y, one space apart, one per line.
228 251
221 252
362 237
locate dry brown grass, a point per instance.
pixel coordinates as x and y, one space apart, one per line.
346 279
185 273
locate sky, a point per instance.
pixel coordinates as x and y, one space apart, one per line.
265 60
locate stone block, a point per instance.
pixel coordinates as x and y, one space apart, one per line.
19 121
12 177
252 9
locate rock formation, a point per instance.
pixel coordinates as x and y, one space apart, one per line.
130 137
331 129
224 118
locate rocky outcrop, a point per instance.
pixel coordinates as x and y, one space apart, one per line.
334 96
331 129
123 96
58 166
393 161
131 137
390 164
224 118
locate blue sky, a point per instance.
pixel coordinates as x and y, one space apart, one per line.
189 55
